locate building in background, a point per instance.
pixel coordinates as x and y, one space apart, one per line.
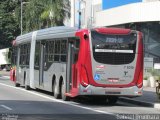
142 15
4 61
83 13
88 9
73 21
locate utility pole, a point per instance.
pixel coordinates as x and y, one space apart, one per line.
51 14
72 13
82 6
22 3
80 12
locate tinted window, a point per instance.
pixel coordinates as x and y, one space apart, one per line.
14 56
24 54
37 54
113 49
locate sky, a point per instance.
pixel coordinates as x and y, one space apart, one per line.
114 3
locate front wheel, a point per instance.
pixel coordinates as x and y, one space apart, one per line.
64 97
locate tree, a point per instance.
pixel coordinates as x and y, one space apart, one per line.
8 25
37 14
44 13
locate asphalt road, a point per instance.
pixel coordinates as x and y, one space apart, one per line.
22 104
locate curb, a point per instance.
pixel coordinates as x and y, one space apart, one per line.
140 103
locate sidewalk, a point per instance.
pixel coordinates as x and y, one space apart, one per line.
4 73
149 98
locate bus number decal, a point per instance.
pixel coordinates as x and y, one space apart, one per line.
128 67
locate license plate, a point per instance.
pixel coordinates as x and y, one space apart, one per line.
112 92
113 80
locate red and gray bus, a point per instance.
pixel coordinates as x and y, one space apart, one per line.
102 62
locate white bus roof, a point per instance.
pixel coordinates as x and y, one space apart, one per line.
48 33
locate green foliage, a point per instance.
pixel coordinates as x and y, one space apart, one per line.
8 25
157 78
155 72
145 78
36 13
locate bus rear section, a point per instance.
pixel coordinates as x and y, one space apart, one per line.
112 63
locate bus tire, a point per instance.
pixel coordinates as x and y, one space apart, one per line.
64 97
112 100
56 95
27 87
17 84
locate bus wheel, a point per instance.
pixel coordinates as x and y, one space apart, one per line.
112 100
56 95
17 84
27 87
64 97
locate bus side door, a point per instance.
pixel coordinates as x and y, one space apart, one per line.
42 63
72 57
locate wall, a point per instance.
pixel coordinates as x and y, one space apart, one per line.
136 12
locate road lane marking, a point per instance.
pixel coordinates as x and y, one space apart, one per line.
6 107
60 101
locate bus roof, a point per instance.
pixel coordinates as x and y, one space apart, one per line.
48 33
64 31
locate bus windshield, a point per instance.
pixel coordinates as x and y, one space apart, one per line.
117 49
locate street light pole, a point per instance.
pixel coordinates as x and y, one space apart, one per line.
81 2
72 13
79 25
21 16
51 14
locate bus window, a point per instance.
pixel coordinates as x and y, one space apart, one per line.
63 50
37 54
22 55
76 43
57 50
113 49
27 54
14 56
50 50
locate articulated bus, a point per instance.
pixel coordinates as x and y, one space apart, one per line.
100 62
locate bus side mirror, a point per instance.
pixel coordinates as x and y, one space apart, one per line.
85 36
